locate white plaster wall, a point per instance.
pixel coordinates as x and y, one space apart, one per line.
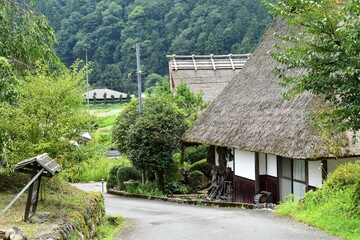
262 163
315 176
271 165
230 165
216 157
245 164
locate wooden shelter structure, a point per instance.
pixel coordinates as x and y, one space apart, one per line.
38 167
208 74
267 142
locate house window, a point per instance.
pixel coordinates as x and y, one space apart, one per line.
299 185
292 177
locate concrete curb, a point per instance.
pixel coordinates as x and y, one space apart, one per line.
183 201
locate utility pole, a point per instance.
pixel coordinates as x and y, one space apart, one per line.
139 91
139 75
87 80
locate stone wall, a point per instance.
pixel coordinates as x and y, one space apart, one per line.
81 224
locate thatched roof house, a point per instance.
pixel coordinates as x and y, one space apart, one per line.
251 115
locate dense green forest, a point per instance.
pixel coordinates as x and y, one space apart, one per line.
109 30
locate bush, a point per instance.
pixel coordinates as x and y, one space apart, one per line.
125 174
197 180
344 175
335 207
173 173
194 154
12 181
202 166
93 169
175 187
112 181
148 189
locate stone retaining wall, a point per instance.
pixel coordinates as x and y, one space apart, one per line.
82 224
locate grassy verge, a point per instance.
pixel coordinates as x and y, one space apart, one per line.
64 203
103 110
334 208
108 230
106 115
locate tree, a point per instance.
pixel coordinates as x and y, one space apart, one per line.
323 40
152 80
94 97
48 114
105 96
26 39
152 137
111 29
156 133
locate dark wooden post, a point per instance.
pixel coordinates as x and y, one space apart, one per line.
257 172
33 196
324 171
306 175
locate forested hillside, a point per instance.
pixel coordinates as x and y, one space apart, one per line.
110 29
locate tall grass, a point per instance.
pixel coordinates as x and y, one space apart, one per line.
334 208
107 121
93 163
93 169
102 110
108 230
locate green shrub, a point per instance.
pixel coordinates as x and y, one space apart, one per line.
126 173
202 166
194 154
148 189
12 181
175 187
335 207
197 180
112 181
93 169
344 175
173 173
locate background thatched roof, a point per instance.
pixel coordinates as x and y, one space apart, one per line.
209 82
251 114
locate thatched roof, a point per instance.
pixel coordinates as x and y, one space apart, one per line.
209 82
251 114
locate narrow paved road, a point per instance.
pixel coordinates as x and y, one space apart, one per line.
150 220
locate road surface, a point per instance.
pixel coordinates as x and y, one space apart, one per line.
157 220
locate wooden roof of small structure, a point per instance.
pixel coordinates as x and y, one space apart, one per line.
38 162
251 114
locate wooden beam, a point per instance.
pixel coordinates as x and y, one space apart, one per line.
324 170
306 175
257 172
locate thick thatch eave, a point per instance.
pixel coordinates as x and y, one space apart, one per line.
251 114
